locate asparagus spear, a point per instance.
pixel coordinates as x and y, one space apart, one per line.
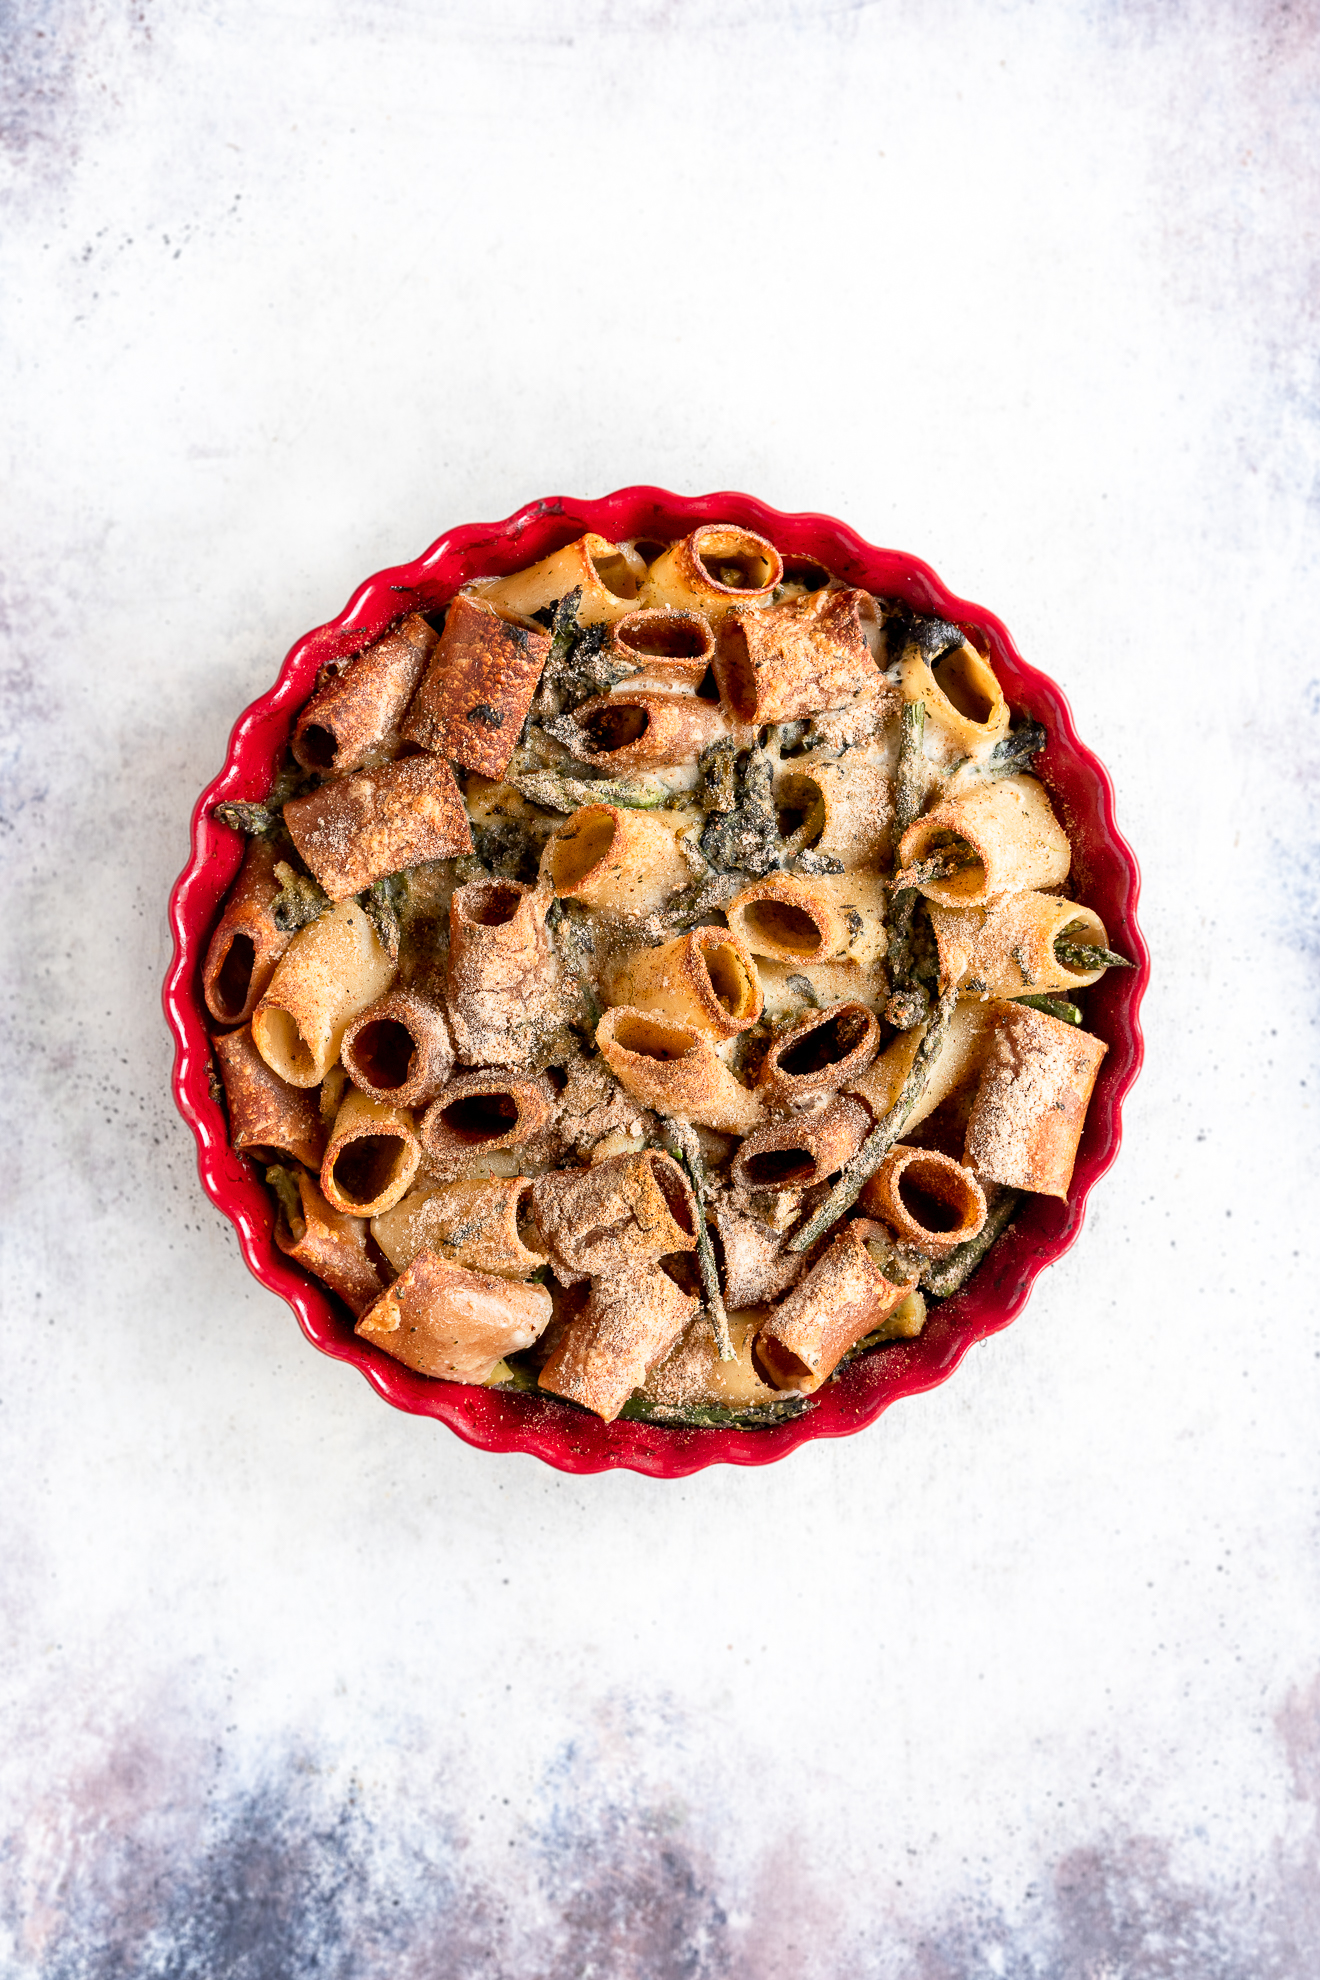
1013 753
1082 955
1055 1007
380 904
907 788
948 1274
713 1416
299 900
886 1132
258 821
947 860
684 1144
556 793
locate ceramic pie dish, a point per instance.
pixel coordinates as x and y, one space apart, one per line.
1105 876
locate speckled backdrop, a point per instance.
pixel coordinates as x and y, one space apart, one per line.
1026 1680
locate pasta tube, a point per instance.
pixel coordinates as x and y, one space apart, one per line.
844 1296
642 729
1008 833
823 1051
453 1324
962 697
1007 948
626 862
785 985
705 979
608 574
957 1064
399 1049
692 1372
671 649
502 971
486 1225
355 830
371 1157
1031 1101
359 710
821 919
331 970
806 1149
266 1115
840 807
473 702
675 1069
246 945
799 658
927 1200
614 1215
482 1111
629 1325
757 1266
332 1247
718 566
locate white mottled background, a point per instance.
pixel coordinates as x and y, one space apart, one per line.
1026 1680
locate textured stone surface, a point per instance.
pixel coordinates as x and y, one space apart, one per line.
1025 1681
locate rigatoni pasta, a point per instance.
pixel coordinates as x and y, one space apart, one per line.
650 982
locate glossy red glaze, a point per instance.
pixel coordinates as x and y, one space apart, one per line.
1105 876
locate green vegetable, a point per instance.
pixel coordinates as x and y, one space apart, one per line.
907 784
283 1186
258 821
947 1274
684 1144
942 863
380 903
746 837
1055 1007
557 793
1012 754
299 901
713 1416
1083 955
886 1132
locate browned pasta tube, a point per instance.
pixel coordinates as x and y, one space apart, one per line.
482 1111
962 697
332 1247
330 971
671 649
246 945
718 566
1031 1102
675 1069
705 978
794 919
625 862
614 1215
607 574
371 1157
502 973
453 1324
355 830
795 1153
798 658
265 1112
1008 826
399 1049
840 807
1007 948
642 729
478 688
485 1224
360 709
928 1200
843 1297
822 1052
629 1325
957 1065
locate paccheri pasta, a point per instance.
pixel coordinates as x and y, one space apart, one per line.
653 979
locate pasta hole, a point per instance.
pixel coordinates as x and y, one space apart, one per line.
778 1367
576 851
648 549
774 1167
812 577
233 983
800 810
614 574
735 560
365 1168
664 636
825 1045
614 727
961 678
492 903
708 688
728 978
317 746
528 1234
677 1201
650 1039
783 926
383 1053
682 1268
928 1207
284 1042
480 1117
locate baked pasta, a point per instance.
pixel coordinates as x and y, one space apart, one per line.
653 979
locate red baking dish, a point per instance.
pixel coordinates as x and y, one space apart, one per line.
1106 878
